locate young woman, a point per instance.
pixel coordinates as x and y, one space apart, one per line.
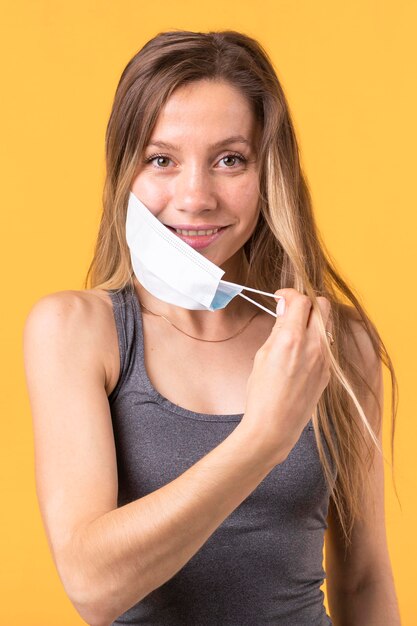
190 455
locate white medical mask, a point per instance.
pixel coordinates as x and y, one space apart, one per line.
173 271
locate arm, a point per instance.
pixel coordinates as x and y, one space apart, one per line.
110 558
360 586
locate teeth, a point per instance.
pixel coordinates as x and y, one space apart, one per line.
199 233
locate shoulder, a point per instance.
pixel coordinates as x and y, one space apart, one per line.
360 342
361 346
85 310
74 320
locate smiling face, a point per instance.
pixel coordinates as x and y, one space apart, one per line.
199 170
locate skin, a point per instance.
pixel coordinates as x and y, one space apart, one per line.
360 583
196 183
105 554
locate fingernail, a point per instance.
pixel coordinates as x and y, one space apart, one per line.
281 307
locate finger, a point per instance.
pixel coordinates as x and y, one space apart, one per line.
324 311
297 309
329 328
329 324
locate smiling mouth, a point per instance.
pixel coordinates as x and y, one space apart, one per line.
202 239
196 233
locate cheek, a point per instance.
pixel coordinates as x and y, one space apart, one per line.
250 205
251 223
245 201
151 193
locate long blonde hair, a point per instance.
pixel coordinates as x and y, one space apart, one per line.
285 249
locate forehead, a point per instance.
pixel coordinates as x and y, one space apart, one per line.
211 109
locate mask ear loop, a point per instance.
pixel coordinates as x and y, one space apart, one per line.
257 304
264 293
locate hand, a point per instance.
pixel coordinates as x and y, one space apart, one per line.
290 372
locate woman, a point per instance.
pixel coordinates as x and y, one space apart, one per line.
189 458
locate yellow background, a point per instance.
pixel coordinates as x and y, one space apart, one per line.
348 69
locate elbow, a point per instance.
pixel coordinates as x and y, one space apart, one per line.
100 605
90 612
97 593
85 599
91 598
92 606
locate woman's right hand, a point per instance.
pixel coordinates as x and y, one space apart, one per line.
290 372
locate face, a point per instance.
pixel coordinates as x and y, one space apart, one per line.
199 170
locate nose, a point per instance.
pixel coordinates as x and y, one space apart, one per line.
194 191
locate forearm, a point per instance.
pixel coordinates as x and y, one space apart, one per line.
372 604
125 554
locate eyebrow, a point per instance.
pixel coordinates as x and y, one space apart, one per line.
218 144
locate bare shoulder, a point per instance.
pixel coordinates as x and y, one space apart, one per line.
361 352
73 300
88 311
78 317
358 341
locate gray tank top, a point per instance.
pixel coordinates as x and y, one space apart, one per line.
264 563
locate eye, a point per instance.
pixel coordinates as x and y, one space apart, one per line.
230 160
160 161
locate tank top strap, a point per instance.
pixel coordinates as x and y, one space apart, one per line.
129 331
